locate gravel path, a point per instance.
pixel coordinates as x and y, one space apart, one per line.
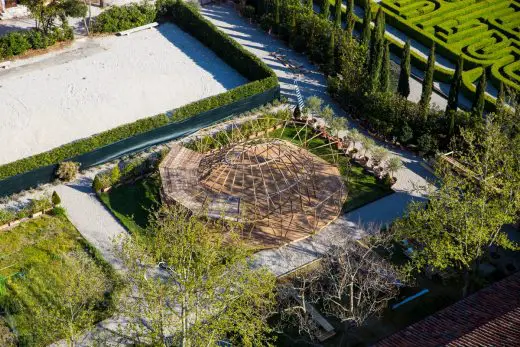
95 223
101 83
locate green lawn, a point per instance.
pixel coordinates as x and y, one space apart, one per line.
36 260
133 203
362 187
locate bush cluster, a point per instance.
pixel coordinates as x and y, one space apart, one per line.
19 42
119 18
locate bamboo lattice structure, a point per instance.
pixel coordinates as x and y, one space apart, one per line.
285 192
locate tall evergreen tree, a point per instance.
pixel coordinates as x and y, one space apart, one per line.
325 9
277 15
310 6
451 130
367 19
349 29
453 97
351 20
260 7
427 85
337 19
376 52
403 87
480 96
384 84
350 6
501 98
292 30
331 50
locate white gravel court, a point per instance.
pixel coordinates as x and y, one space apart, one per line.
98 84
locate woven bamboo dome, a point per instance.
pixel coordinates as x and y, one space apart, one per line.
281 189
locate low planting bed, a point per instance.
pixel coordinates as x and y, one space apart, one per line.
41 263
262 87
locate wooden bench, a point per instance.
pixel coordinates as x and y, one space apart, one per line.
134 30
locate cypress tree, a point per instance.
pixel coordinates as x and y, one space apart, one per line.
337 21
480 97
331 50
377 47
350 7
351 20
277 15
260 7
501 98
403 87
451 130
292 29
427 85
453 97
367 18
325 9
341 49
349 29
310 6
384 84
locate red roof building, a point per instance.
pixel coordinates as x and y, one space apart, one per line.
490 317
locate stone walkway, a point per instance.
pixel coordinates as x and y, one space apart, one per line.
92 219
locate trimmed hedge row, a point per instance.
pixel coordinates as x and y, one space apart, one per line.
442 74
420 28
73 149
198 26
19 42
189 19
119 18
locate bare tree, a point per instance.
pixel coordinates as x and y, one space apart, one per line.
352 283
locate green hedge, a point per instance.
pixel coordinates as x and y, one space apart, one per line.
420 28
19 42
192 22
125 17
189 19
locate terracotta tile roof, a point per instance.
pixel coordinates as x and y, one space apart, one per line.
490 317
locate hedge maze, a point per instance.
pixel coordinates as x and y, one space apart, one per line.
485 32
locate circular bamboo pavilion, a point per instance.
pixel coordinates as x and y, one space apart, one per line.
283 191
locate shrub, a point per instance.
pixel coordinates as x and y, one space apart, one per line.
36 205
249 11
388 180
101 181
406 134
18 42
56 200
59 211
119 18
427 143
14 43
6 216
67 171
115 174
